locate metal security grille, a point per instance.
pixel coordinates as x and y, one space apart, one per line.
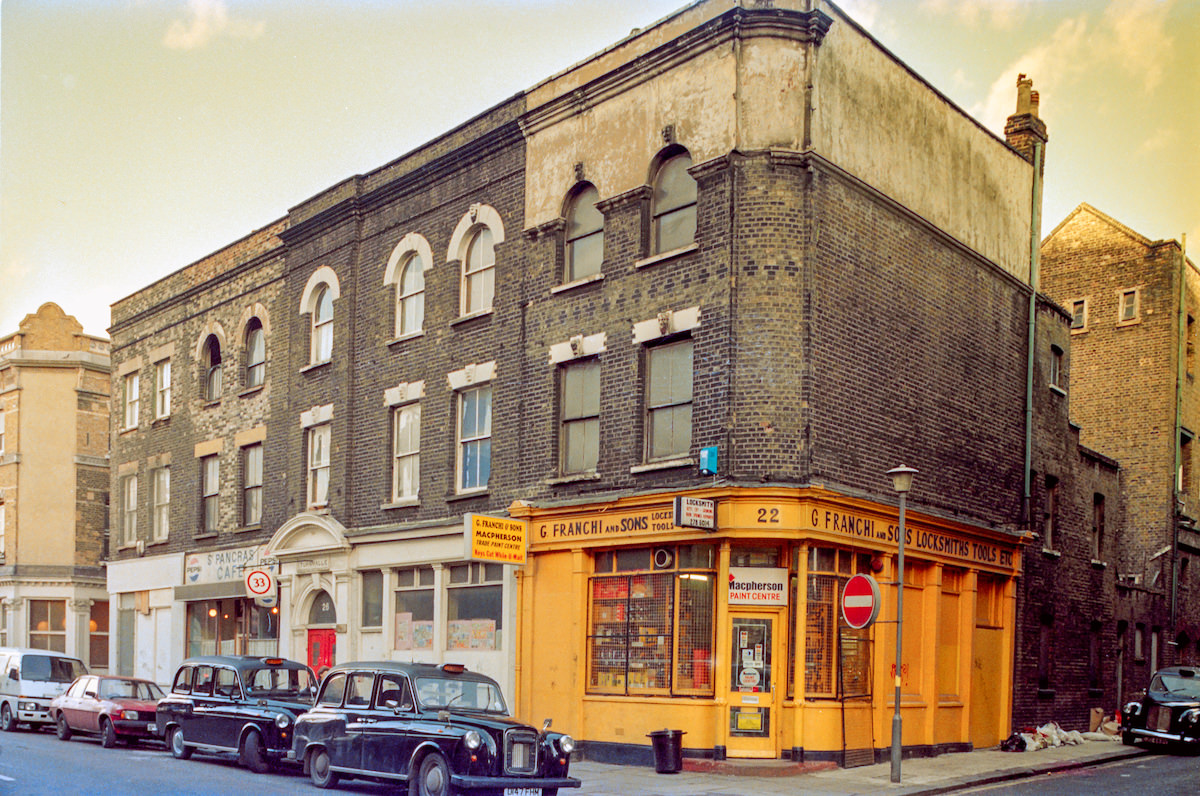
630 646
821 645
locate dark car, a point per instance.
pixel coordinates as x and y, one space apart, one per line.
441 729
1169 713
112 707
235 703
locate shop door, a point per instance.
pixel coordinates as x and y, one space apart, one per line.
322 648
755 684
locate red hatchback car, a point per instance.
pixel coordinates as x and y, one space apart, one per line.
113 707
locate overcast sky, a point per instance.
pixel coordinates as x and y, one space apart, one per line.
138 136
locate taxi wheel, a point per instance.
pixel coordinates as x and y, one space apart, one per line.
61 729
7 722
108 734
434 777
319 771
179 750
252 754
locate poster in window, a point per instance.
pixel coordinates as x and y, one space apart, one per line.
472 634
404 631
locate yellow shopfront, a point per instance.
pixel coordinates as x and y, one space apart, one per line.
629 624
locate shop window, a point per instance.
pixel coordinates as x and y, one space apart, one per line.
651 631
48 625
98 635
475 606
262 630
989 593
949 646
231 627
837 658
414 608
372 598
669 400
585 234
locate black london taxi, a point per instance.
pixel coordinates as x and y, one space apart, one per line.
439 728
235 703
1169 713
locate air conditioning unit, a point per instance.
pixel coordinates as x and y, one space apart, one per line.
664 558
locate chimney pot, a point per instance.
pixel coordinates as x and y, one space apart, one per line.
1024 89
1033 102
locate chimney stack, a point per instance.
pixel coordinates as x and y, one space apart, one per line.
1024 127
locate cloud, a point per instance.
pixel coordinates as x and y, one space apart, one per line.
208 19
1160 140
1129 41
994 14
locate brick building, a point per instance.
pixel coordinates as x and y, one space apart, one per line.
54 406
688 266
1133 304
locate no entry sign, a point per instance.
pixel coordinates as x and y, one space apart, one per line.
860 601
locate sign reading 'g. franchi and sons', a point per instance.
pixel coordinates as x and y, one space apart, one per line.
758 586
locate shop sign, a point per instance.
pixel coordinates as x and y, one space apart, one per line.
607 525
261 586
693 512
758 586
495 538
223 566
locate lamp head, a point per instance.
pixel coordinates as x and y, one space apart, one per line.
902 478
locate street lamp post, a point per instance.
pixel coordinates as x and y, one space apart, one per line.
902 478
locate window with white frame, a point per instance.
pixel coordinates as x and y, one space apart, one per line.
162 388
585 234
406 451
161 519
479 273
580 407
210 494
252 483
474 458
318 465
1129 306
1079 314
322 326
129 498
475 606
1056 365
256 354
669 400
211 378
132 401
48 625
410 296
673 205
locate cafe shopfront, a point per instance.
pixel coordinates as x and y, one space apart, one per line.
734 634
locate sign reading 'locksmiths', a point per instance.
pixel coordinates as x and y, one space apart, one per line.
495 538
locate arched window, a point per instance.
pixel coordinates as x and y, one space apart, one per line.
256 354
210 381
479 272
674 204
322 326
410 296
323 611
585 235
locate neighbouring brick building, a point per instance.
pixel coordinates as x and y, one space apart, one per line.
54 404
743 256
1133 304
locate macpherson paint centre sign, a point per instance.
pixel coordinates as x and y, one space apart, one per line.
758 586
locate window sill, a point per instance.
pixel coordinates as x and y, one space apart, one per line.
472 316
1054 388
587 280
1127 324
124 547
161 421
127 430
403 337
1048 553
1098 564
666 464
402 503
205 535
205 404
1046 693
1080 330
248 528
316 366
246 393
664 256
155 542
318 508
573 478
474 493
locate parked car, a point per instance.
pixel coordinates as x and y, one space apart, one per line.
441 729
29 679
113 707
235 703
1169 713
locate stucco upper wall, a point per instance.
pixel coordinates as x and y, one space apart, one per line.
874 118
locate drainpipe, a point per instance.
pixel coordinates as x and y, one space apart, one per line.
1178 496
1035 229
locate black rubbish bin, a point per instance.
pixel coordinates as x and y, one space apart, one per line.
668 750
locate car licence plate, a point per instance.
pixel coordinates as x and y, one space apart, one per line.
522 792
152 729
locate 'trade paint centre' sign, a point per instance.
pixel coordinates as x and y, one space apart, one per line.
496 539
758 586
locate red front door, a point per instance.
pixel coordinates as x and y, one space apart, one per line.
322 648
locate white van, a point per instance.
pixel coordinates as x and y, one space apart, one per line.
29 679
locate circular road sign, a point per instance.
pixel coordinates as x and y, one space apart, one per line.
259 582
860 601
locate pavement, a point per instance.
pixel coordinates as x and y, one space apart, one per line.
947 773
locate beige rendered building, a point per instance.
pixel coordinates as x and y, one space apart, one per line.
54 404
